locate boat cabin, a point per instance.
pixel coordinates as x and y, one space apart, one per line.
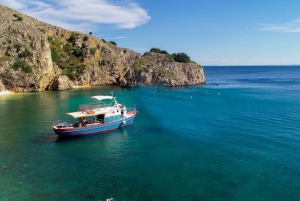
100 112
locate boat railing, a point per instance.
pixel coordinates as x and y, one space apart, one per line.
93 106
129 110
60 122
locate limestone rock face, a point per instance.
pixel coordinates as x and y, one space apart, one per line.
2 87
158 69
61 83
21 43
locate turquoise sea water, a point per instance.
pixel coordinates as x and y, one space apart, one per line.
235 138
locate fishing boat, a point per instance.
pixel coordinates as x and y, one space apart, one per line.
104 115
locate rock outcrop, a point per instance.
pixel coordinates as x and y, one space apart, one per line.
2 87
35 56
158 69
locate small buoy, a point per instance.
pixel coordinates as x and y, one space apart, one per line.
191 97
219 93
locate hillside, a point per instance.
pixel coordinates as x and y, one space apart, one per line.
35 56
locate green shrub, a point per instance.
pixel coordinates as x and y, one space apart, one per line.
71 75
77 52
112 42
170 57
15 15
62 35
124 51
24 54
80 68
85 38
181 57
55 56
104 40
68 47
91 33
50 38
27 69
139 63
20 18
155 50
5 58
63 54
9 48
73 37
93 51
18 46
42 30
67 57
56 44
19 64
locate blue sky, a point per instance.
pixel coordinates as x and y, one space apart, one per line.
211 32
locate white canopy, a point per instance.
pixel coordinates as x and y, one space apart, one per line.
83 114
102 97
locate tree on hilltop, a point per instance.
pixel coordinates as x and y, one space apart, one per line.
164 52
181 57
155 50
113 42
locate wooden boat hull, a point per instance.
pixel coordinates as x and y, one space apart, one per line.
96 128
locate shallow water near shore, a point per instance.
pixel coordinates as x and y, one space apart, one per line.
235 138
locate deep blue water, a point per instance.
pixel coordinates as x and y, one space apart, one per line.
235 138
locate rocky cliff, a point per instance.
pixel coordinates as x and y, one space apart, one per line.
21 47
35 56
158 69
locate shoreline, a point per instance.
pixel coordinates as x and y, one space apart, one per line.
79 87
5 92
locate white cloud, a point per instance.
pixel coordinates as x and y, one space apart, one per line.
82 14
293 26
